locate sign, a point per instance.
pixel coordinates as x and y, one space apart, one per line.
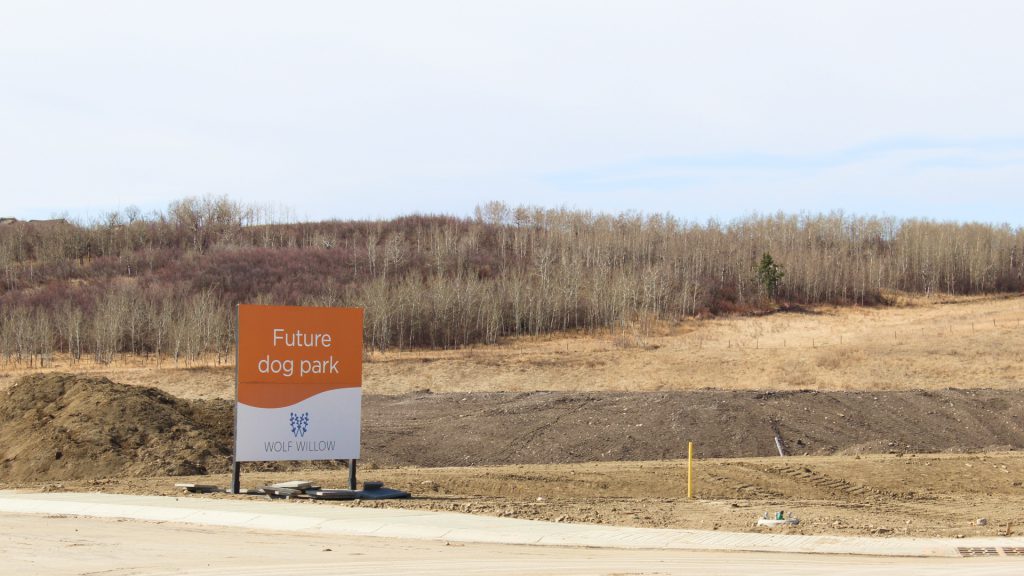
300 377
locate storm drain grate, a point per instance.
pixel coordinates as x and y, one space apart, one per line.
1015 551
977 551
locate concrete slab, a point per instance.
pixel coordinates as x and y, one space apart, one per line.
342 519
294 485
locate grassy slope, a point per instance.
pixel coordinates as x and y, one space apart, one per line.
922 344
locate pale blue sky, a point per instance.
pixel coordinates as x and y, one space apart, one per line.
376 109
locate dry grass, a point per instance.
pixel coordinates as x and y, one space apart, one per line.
918 343
921 343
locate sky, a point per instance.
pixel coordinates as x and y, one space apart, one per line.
720 109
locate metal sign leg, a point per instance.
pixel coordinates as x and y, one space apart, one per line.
351 474
236 477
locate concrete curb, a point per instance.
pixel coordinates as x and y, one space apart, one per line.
295 516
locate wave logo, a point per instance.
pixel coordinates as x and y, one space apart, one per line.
300 423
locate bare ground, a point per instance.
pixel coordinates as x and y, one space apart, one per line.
590 428
925 495
62 426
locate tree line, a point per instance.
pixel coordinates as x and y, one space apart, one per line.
165 284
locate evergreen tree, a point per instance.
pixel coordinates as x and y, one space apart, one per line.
769 275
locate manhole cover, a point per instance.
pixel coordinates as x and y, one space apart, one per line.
979 551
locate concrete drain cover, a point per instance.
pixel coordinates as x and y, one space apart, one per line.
979 551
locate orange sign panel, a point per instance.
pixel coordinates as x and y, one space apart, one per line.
287 354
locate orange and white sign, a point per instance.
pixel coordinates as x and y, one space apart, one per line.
300 376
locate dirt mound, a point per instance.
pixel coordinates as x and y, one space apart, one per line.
63 426
561 427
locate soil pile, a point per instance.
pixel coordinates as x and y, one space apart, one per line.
62 427
561 427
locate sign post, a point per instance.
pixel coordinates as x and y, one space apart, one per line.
298 385
689 470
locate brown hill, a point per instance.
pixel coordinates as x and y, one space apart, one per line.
167 284
62 426
560 427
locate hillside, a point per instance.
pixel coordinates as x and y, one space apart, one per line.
589 428
165 284
65 427
915 344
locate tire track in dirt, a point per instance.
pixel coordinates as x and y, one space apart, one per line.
63 426
562 427
518 444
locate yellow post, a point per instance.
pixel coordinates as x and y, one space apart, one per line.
689 471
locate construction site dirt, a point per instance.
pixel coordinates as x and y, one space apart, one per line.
919 461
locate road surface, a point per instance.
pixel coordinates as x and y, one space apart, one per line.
63 545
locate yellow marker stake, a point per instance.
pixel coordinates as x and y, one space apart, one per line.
689 471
